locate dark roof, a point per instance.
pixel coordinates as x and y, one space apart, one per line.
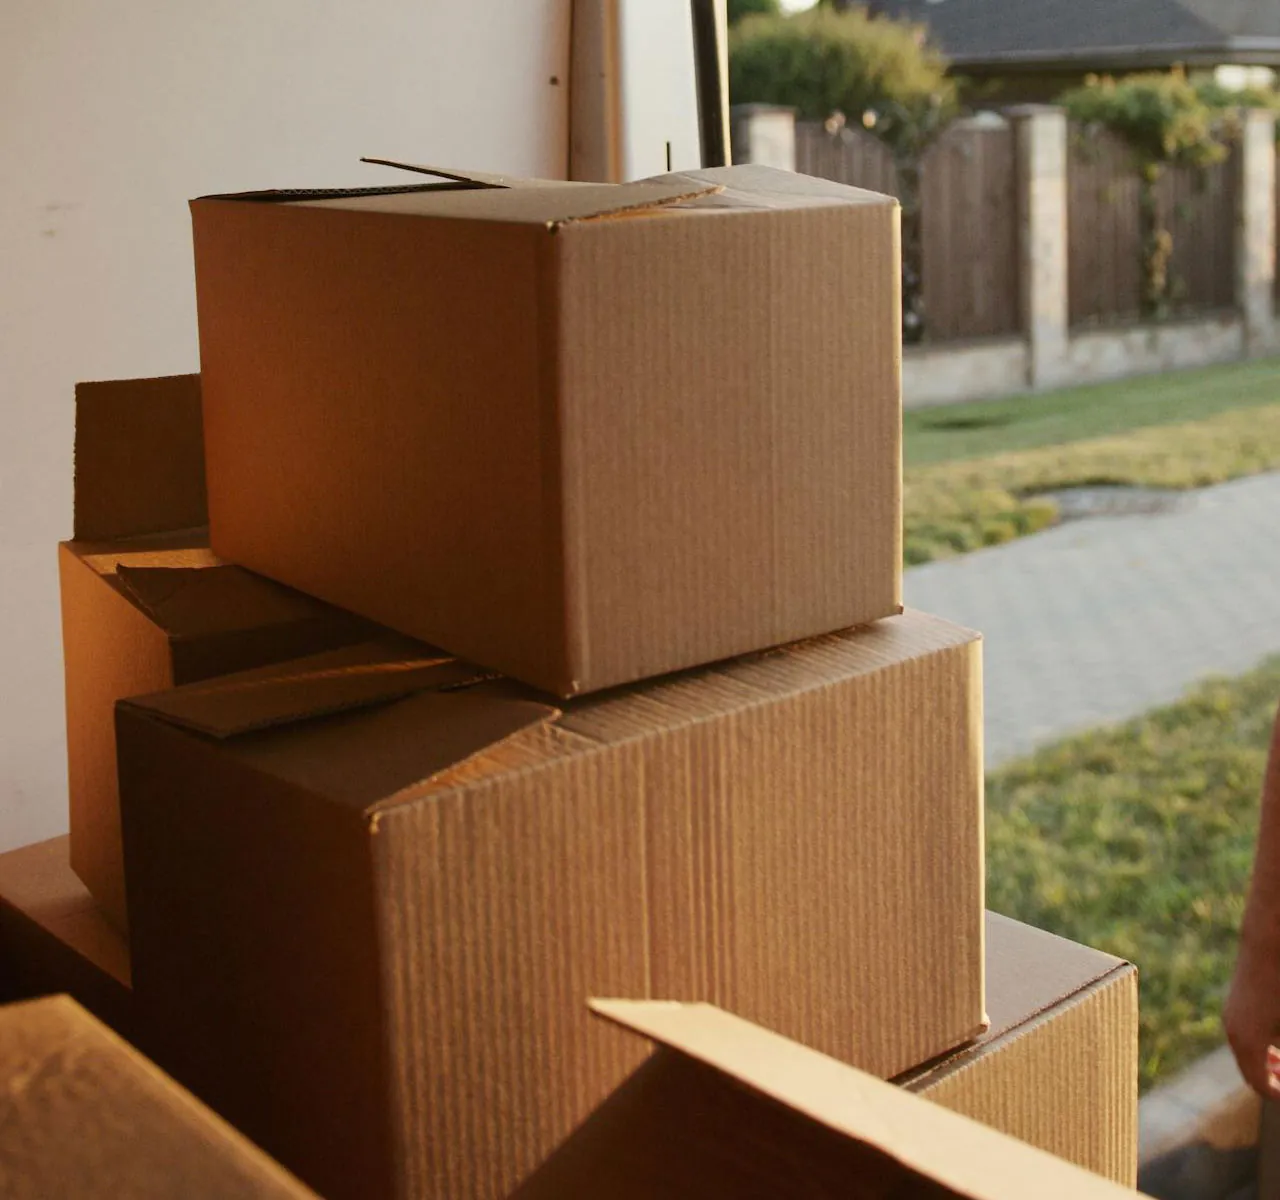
1097 34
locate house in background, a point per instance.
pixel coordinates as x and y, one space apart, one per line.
1031 50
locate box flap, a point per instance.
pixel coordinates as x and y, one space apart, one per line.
760 187
478 179
429 721
969 1159
551 204
320 685
197 601
139 458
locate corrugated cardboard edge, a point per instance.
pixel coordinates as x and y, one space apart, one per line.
970 1159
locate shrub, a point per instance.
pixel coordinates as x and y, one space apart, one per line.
750 8
877 73
1165 121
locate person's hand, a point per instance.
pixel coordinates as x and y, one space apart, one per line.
1252 1016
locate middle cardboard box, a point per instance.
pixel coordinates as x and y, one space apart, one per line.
369 890
580 434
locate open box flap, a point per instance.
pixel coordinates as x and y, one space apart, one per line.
302 689
479 179
753 186
428 720
139 458
969 1159
197 601
551 203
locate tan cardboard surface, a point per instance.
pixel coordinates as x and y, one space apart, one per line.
586 451
426 889
139 458
1058 1067
86 1116
54 937
727 1109
145 604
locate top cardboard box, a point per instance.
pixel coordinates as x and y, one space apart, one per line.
580 434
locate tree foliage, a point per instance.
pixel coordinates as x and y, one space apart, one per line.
1163 117
876 71
1166 121
1232 102
738 9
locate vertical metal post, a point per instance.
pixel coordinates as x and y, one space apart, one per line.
710 49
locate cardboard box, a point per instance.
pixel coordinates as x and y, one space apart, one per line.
86 1116
1059 1065
581 434
724 1110
54 938
389 997
145 604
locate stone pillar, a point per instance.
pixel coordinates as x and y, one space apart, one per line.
1040 140
765 134
1256 231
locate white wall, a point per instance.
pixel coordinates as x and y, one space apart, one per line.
112 116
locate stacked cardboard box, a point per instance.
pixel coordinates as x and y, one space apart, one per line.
86 1116
145 604
54 938
1057 1066
638 449
438 882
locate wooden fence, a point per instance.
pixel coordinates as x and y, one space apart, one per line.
969 217
1198 208
969 225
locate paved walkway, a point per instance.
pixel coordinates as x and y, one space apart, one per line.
1100 619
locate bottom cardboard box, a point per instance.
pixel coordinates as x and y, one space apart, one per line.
1058 1067
54 937
433 869
84 1115
725 1110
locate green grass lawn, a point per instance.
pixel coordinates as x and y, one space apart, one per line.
1139 840
980 484
990 427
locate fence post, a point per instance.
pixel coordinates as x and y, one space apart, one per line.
1256 231
765 134
1040 133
